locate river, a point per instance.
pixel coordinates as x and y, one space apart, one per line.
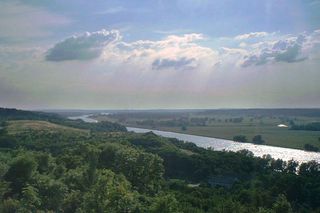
85 118
228 145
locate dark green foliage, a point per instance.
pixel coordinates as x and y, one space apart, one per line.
311 168
110 193
14 114
309 147
258 139
20 172
282 205
127 172
30 198
7 142
10 206
315 126
103 126
165 203
240 138
143 170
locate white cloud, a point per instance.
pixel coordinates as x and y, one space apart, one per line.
184 52
251 35
173 52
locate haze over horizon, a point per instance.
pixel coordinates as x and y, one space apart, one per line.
159 54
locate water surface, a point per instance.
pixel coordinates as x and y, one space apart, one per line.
228 145
85 118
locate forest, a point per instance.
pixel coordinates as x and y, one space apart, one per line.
52 164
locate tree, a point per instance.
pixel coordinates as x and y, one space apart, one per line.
278 165
20 172
309 147
282 205
240 138
258 139
10 206
110 193
165 204
292 166
311 168
143 170
4 188
72 201
30 198
7 141
43 160
52 192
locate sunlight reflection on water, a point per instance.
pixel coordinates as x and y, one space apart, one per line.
85 118
228 145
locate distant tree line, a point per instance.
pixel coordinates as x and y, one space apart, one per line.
309 147
315 126
257 139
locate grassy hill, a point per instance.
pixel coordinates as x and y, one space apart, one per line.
14 114
21 126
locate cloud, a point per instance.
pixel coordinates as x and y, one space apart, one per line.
272 48
175 52
291 54
179 63
289 50
83 47
251 35
184 52
172 52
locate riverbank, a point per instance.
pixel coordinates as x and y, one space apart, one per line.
273 136
224 126
228 145
220 144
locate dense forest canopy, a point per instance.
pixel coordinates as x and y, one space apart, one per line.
49 163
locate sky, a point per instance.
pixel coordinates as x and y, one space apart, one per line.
159 54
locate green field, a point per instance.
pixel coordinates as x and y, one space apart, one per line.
222 126
272 135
